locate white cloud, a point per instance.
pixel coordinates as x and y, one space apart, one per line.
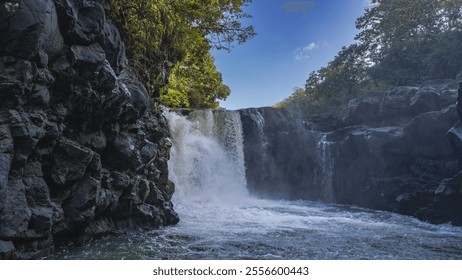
303 52
311 46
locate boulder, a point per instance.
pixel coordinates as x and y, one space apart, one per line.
362 111
114 47
88 58
424 101
82 21
70 162
121 154
29 28
138 96
6 250
455 138
426 134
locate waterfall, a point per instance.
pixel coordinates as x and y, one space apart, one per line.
259 120
326 160
207 156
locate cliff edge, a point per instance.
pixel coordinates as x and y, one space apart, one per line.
82 151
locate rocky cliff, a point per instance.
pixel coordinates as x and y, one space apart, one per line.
82 151
389 151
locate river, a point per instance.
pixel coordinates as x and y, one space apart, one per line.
221 220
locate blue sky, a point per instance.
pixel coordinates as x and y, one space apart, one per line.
293 39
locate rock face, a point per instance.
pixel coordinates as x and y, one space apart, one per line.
389 151
82 151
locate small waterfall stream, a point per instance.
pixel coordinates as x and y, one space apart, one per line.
325 158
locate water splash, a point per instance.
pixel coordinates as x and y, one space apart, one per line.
207 156
259 120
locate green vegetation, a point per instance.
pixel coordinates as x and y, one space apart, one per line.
399 43
169 42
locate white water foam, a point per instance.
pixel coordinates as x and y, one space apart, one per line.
207 157
216 211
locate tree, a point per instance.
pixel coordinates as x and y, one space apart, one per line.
332 85
402 36
399 43
162 34
195 81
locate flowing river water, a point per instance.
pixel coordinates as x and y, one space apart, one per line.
221 220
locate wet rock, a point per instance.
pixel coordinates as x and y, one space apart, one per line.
6 250
149 151
154 195
459 101
74 133
171 217
275 168
148 215
455 138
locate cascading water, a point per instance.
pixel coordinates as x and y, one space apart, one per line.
220 220
207 158
326 161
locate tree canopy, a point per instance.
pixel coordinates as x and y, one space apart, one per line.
170 41
398 43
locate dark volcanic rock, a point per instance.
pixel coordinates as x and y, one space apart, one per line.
114 47
399 105
280 154
389 151
82 151
29 28
82 22
427 134
6 250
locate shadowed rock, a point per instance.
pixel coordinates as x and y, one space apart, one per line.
388 151
77 131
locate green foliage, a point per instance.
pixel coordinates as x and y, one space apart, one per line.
411 41
399 43
166 35
195 82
